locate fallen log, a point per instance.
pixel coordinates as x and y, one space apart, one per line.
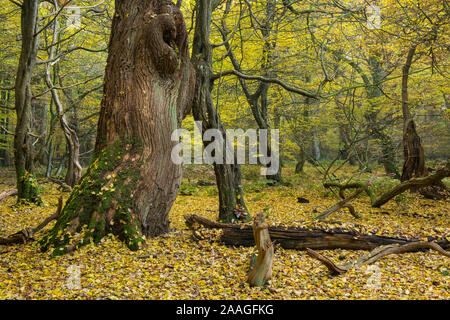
413 183
27 235
300 238
376 255
346 186
8 193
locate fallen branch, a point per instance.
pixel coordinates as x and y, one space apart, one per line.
27 235
300 238
261 270
8 193
65 187
413 183
343 187
343 203
376 255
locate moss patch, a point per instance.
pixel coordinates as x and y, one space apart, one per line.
101 203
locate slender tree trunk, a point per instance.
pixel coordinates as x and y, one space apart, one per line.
373 90
74 169
316 146
23 149
228 176
388 154
377 129
346 145
5 159
48 171
414 165
301 159
131 184
257 101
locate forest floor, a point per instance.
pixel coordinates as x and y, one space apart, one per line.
175 266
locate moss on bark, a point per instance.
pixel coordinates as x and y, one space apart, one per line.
27 188
101 203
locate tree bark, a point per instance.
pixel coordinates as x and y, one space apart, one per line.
261 270
414 165
5 158
23 149
258 101
301 159
131 184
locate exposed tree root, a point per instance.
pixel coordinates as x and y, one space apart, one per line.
8 193
27 235
376 255
301 238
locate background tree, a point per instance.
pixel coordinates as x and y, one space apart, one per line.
23 145
228 176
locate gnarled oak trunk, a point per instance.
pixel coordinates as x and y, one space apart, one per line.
131 184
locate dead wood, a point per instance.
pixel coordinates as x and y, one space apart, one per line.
27 235
376 255
413 183
343 203
8 193
65 187
300 238
261 270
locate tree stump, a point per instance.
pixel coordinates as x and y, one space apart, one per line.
261 271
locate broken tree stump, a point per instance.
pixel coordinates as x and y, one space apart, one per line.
261 271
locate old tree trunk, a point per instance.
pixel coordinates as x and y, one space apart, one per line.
23 149
131 184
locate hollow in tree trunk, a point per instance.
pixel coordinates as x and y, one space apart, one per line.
131 183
